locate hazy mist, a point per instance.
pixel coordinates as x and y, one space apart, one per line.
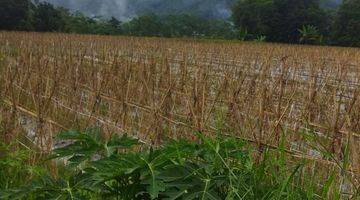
126 9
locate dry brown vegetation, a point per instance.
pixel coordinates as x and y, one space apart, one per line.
158 88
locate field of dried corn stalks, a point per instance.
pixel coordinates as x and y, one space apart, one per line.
156 88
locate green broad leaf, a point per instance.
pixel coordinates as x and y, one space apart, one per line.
154 188
202 195
116 142
150 174
77 159
173 195
123 142
173 173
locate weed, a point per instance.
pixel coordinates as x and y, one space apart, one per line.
220 168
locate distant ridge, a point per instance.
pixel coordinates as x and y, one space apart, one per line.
126 9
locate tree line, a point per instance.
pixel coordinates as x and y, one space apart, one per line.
24 15
289 21
299 21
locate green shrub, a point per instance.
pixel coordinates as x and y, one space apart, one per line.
123 168
15 166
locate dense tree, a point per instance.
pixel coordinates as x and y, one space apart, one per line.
291 15
185 25
114 26
347 24
279 20
146 25
254 16
221 29
79 23
48 18
182 25
14 14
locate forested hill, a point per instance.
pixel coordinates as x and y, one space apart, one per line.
287 21
125 9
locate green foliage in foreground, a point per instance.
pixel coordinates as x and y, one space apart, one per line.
122 168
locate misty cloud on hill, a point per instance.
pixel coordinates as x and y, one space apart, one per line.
125 9
106 8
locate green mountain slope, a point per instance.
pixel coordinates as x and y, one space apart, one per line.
125 9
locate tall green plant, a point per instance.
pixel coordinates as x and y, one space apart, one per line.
15 168
210 168
310 35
